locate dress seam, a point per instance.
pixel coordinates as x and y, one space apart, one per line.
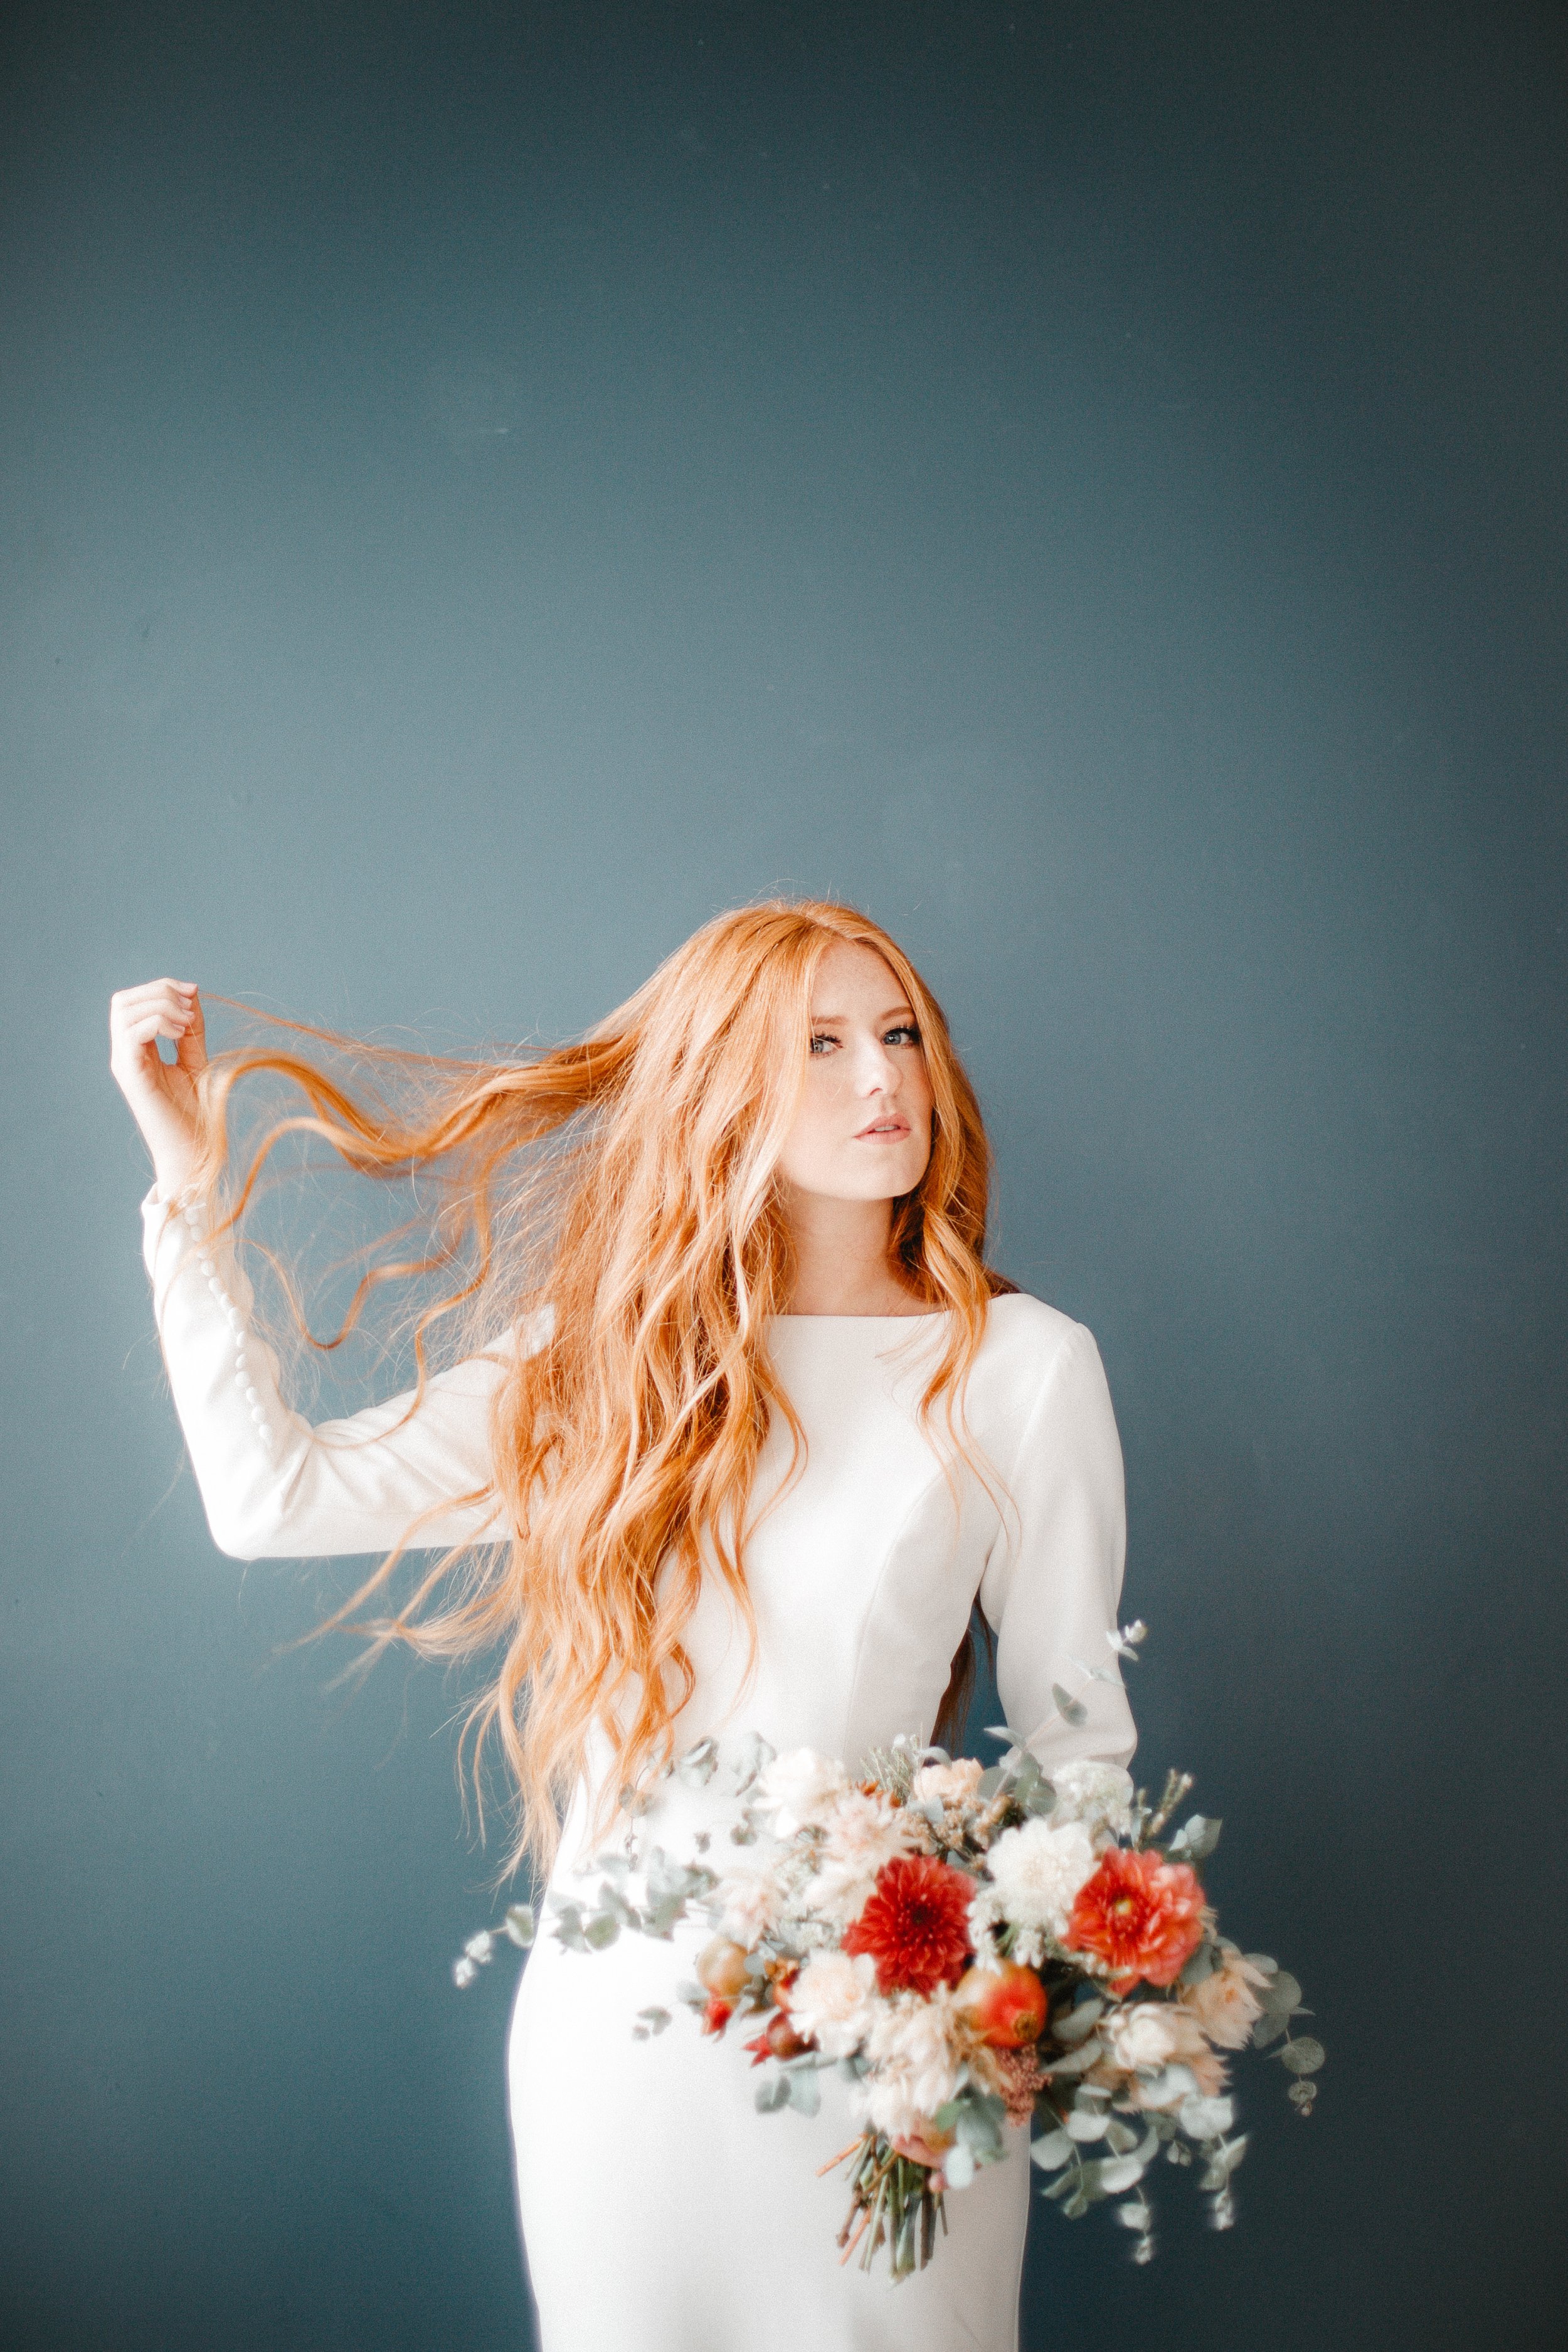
876 1593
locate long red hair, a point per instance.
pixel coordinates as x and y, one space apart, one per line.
626 1184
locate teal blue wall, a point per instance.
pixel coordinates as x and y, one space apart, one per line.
483 486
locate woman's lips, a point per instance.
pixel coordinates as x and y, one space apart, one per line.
884 1130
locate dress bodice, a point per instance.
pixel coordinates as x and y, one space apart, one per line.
863 1556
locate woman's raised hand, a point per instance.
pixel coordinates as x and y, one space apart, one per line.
162 1095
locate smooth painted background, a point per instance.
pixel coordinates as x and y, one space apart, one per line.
483 487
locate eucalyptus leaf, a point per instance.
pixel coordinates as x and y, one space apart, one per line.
1196 1839
1266 2029
699 1764
1075 2207
979 2126
1119 2172
1261 1960
1077 2062
1304 2055
1202 2118
804 2090
1072 2025
1172 2085
1223 2161
958 2167
1134 2216
773 2093
1120 2136
1071 1709
1086 2124
602 1929
569 1928
521 1925
1282 1996
1203 1964
753 1756
1051 2150
653 2021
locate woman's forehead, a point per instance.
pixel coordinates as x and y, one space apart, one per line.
849 977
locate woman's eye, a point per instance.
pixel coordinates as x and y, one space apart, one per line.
906 1034
822 1041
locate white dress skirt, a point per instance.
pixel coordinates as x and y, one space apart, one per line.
661 2211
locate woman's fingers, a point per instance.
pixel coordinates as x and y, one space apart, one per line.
138 1017
192 1048
171 1008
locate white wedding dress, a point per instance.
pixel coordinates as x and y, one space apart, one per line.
661 2211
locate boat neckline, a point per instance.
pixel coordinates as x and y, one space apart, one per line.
928 1315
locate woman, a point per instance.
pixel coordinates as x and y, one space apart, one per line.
745 1428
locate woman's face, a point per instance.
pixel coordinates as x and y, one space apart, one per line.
863 1128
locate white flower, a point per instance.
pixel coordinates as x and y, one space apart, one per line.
864 1833
799 1789
1037 1870
1098 1795
832 1999
1143 2035
750 1898
914 2062
947 1784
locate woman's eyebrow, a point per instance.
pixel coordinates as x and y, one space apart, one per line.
838 1020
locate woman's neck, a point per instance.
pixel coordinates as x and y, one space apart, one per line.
843 1264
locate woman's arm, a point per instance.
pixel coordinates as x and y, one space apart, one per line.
275 1486
1054 1578
272 1484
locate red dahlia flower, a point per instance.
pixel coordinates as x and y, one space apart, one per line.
1142 1915
915 1925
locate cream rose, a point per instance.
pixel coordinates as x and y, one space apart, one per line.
1150 2036
914 2062
832 2001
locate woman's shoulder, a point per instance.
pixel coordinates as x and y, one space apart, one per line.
1029 1344
1018 1321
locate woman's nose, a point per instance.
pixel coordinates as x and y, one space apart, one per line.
879 1071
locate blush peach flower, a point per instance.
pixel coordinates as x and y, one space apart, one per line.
1149 2036
864 1833
947 1784
1226 2004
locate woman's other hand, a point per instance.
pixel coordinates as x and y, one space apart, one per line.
162 1095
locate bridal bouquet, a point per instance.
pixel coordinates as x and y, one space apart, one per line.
970 1948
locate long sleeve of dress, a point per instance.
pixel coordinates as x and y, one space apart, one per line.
1054 1577
274 1485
